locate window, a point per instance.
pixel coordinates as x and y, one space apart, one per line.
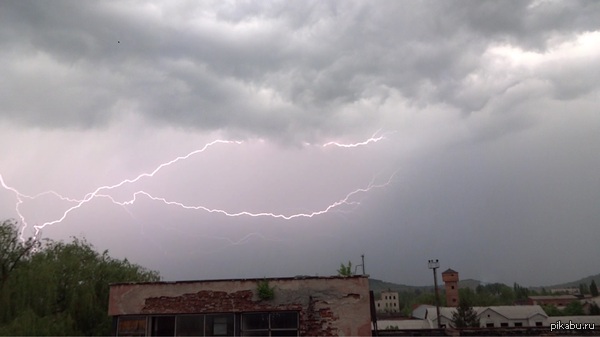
219 325
518 324
131 326
163 326
489 325
504 325
452 287
190 325
270 324
538 323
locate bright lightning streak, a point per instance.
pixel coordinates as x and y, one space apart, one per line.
373 139
97 192
93 194
343 201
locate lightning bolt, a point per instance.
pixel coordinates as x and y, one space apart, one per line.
343 201
100 192
374 139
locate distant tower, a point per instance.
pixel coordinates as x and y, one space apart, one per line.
450 278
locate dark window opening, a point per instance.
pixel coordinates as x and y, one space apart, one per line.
270 324
190 325
163 326
503 325
489 325
518 324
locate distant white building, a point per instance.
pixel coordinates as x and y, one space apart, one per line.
566 291
402 324
495 316
388 303
420 312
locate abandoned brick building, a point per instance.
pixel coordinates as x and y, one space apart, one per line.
314 306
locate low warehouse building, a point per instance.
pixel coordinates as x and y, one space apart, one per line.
315 306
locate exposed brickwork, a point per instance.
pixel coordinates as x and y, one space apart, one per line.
326 306
319 319
450 278
316 319
212 301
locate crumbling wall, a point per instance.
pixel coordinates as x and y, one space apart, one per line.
331 306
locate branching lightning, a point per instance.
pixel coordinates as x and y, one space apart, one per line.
344 201
101 192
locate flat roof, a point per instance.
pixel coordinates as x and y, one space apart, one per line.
299 277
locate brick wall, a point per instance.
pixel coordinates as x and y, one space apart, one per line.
326 306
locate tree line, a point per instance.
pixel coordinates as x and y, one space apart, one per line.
58 288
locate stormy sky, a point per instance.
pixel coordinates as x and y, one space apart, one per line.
475 124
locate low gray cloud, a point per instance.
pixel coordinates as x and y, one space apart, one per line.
259 67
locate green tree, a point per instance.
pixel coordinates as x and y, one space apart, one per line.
552 310
345 270
12 250
265 292
465 316
468 295
574 308
521 293
584 289
593 288
62 289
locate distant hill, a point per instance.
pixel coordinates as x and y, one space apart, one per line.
469 283
575 284
378 285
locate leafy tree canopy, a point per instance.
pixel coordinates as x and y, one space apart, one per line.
593 288
345 270
59 288
465 316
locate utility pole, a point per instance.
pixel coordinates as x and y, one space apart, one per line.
435 264
360 265
363 264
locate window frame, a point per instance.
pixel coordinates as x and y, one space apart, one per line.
269 329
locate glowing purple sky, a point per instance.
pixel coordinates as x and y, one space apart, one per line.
487 113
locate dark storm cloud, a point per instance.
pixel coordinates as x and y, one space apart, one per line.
489 111
267 68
